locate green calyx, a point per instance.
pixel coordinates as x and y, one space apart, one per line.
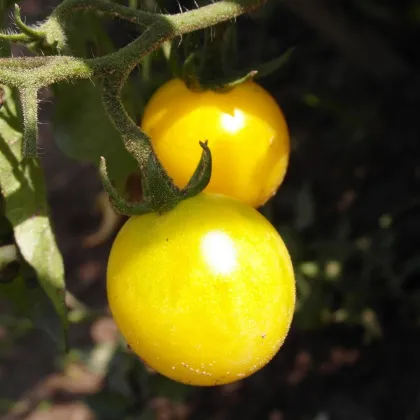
160 193
207 60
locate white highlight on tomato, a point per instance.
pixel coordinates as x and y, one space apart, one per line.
219 252
233 123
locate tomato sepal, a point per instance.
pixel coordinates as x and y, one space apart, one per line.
118 202
202 174
229 82
209 60
159 191
164 195
272 66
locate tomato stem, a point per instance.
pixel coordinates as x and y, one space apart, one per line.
29 74
29 99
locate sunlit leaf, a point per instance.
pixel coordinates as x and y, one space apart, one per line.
25 206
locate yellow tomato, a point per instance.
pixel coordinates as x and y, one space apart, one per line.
245 128
204 293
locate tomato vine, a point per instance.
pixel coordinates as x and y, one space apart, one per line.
55 62
113 69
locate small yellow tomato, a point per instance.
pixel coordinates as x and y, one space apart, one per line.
245 128
204 293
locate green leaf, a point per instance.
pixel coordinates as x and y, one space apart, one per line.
25 206
8 255
30 301
83 130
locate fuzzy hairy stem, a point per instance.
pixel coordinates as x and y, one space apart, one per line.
25 29
29 99
42 71
135 141
184 22
211 15
45 71
65 9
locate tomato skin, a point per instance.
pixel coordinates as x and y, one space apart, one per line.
246 130
205 293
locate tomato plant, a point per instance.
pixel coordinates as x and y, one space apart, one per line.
245 128
205 293
197 281
200 285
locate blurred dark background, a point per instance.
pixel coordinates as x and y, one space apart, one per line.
349 211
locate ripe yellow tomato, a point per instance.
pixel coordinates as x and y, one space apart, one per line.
245 128
205 293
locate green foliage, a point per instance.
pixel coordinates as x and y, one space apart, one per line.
356 264
83 131
208 60
23 190
112 70
90 121
82 128
30 302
